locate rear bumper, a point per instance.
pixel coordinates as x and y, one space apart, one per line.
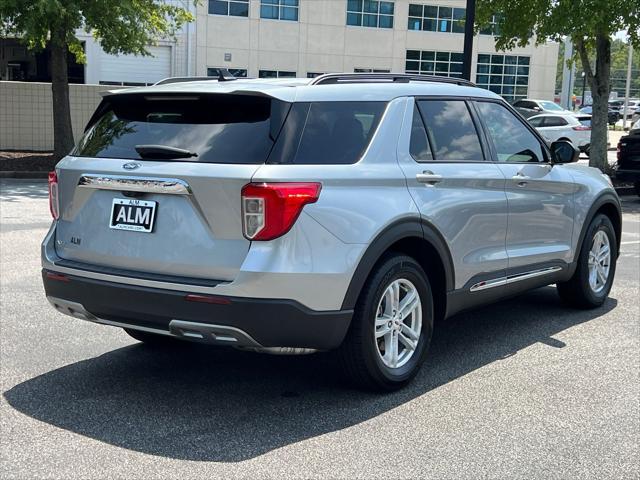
628 175
231 321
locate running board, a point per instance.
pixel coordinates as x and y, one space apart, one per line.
498 282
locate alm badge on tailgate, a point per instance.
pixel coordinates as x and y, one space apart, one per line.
133 215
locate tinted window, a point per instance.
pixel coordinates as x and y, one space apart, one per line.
450 130
536 122
327 132
554 122
512 140
586 121
218 128
419 144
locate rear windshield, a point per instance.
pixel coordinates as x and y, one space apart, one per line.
232 129
218 128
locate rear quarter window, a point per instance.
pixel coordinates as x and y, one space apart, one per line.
323 133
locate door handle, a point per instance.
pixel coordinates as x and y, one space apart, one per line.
521 179
428 177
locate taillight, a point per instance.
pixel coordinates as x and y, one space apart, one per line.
269 210
53 195
619 150
581 128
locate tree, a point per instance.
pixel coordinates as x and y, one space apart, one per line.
119 26
590 24
619 59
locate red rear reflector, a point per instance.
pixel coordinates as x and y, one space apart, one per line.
58 276
269 210
207 299
53 195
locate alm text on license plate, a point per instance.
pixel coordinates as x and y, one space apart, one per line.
133 215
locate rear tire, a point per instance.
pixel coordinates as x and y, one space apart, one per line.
152 339
376 354
591 283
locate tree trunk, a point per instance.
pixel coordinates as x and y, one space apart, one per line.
600 86
62 131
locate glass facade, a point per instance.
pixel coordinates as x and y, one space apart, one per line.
279 9
370 13
506 75
429 62
233 8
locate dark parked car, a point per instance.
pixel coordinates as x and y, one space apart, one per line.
629 157
612 117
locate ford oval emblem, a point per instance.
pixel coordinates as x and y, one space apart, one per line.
131 166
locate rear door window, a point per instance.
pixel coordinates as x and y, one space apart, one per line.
217 128
552 121
450 130
322 133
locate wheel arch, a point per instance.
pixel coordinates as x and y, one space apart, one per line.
608 204
419 239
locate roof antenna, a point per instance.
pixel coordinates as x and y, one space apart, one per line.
225 75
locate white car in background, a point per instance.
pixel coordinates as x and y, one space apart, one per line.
575 128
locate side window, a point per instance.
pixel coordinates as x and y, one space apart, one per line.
551 121
450 130
512 140
536 122
419 145
327 133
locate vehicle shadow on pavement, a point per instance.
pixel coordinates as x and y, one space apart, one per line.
206 404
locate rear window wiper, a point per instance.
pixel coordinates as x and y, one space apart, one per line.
163 151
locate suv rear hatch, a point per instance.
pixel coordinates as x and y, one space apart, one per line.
154 186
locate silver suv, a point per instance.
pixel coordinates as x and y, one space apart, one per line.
346 212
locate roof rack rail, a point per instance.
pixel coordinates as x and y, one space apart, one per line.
333 78
223 76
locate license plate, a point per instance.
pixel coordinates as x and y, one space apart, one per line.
133 215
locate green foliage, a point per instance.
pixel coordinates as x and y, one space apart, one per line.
523 20
120 26
619 59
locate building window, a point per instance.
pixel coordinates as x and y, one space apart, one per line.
492 28
279 9
276 74
233 8
236 72
506 75
370 13
314 74
428 62
370 70
432 18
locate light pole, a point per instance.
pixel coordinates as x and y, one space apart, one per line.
584 86
468 39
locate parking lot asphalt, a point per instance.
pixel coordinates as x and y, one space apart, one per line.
527 388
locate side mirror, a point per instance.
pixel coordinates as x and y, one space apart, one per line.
564 152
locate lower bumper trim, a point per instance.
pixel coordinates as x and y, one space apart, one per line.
278 325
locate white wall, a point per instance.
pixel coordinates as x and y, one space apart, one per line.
322 42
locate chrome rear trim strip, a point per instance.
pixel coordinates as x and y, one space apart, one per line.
513 278
172 186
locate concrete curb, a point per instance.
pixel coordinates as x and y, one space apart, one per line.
24 174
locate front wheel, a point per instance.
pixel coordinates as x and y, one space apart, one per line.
591 283
391 327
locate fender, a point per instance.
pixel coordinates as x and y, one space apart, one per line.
398 230
602 199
